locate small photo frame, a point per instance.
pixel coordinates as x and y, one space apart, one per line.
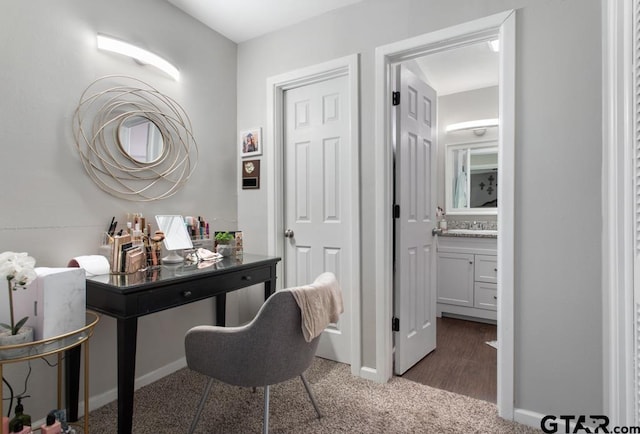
251 142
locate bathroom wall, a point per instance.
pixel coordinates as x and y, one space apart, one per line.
49 206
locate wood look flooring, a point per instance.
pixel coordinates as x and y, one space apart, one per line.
462 362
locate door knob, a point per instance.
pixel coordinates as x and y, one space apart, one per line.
288 233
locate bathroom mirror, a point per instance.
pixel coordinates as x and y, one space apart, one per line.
140 139
471 178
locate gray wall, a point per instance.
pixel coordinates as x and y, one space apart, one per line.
50 207
558 126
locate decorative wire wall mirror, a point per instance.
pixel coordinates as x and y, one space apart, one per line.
134 142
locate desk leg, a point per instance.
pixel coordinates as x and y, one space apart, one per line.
127 336
269 288
72 385
221 309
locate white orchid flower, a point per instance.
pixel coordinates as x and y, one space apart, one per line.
18 266
18 269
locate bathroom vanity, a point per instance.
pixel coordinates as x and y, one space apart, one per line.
467 273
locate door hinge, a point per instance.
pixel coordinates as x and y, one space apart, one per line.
395 324
395 98
396 211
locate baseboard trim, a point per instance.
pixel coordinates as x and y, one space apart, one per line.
369 373
533 419
111 395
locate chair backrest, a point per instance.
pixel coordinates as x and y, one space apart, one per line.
268 350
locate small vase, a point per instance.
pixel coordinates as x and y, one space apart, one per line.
224 249
24 335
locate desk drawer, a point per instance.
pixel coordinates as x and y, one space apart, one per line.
198 289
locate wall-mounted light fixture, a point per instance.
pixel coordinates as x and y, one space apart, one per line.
479 127
143 56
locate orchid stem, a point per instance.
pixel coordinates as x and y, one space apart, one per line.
13 325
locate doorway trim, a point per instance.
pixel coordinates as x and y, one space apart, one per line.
619 207
503 26
276 86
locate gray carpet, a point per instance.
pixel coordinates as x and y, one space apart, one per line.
349 405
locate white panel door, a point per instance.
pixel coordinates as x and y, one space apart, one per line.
318 198
415 250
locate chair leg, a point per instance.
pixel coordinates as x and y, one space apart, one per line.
313 400
265 423
207 389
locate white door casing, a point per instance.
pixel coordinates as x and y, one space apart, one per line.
316 199
501 25
415 252
621 212
274 159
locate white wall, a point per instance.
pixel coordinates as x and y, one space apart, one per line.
49 206
558 135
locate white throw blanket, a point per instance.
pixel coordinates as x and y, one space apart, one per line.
320 304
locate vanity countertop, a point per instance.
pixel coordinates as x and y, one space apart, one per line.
469 233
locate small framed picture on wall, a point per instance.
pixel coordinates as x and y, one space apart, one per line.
251 142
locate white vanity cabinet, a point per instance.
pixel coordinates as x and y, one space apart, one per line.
467 276
455 278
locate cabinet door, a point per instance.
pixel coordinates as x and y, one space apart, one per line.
486 296
455 278
486 269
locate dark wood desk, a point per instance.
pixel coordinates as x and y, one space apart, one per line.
128 297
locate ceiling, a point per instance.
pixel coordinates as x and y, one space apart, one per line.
241 20
461 69
451 71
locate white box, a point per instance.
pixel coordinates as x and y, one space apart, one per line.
55 301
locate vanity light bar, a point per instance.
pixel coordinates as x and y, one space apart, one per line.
472 125
143 56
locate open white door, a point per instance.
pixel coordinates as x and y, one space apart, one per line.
318 198
415 249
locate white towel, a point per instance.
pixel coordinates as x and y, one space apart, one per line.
320 304
460 193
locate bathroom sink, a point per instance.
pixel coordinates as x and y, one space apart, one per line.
473 231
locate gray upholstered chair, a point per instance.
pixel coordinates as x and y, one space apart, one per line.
269 350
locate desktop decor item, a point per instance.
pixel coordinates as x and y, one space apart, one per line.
224 243
176 237
251 142
238 249
134 142
228 243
